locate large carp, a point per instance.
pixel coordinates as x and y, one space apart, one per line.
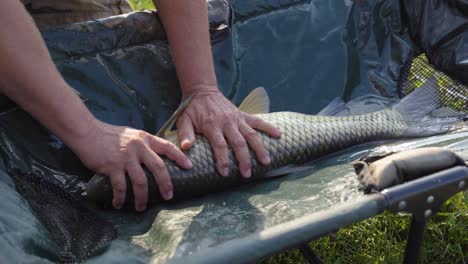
304 138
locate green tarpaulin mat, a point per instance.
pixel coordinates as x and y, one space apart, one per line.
305 53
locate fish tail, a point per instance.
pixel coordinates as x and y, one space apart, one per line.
419 111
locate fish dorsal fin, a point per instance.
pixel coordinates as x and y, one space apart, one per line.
257 102
165 129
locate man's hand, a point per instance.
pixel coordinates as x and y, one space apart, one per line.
117 151
214 116
111 150
209 113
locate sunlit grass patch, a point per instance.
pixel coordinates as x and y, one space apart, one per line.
382 239
139 5
452 93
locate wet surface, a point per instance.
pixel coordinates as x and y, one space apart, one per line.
122 70
203 224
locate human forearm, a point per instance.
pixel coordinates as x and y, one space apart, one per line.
209 113
186 24
29 77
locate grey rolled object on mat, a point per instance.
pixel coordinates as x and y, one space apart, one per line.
380 172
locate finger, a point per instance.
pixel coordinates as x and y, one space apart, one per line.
140 185
164 147
161 176
220 150
119 188
186 132
255 143
262 125
241 150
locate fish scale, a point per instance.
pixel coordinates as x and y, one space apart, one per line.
304 138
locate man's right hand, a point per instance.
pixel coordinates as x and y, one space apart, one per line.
41 91
116 151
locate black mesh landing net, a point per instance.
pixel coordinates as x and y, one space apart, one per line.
453 94
76 230
80 233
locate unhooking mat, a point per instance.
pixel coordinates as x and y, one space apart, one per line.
305 53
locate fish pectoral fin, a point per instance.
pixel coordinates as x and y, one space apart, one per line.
166 128
287 170
257 102
172 136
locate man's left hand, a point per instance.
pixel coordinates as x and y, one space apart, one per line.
222 123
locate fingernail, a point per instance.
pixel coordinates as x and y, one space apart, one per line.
278 132
225 172
169 195
140 208
248 173
185 144
266 160
188 164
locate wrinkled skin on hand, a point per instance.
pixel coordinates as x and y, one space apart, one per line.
117 151
222 123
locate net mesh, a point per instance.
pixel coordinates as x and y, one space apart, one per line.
453 94
78 231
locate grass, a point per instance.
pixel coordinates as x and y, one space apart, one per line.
453 93
139 5
382 239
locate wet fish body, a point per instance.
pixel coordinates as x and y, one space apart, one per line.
304 138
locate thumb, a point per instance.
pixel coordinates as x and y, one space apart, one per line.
186 132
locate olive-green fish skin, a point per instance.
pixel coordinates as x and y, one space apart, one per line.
304 138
